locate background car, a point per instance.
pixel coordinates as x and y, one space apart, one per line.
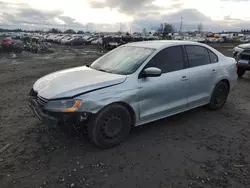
7 42
242 54
77 41
66 40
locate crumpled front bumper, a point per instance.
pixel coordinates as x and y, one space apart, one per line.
53 119
49 120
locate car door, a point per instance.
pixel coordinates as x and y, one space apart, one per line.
167 94
203 68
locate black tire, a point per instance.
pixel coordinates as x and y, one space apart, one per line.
219 96
110 126
240 72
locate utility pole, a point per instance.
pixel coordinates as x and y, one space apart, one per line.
181 25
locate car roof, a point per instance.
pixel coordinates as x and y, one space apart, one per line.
158 44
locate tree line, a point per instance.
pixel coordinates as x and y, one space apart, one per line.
245 31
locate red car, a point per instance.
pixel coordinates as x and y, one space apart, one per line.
7 42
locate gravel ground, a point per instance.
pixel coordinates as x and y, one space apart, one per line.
199 148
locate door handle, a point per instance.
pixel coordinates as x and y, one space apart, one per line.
183 78
214 71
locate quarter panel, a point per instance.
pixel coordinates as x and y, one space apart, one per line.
228 71
202 81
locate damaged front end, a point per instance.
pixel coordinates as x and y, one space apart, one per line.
54 115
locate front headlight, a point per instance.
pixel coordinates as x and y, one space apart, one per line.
70 105
238 49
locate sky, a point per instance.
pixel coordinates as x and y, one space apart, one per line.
112 15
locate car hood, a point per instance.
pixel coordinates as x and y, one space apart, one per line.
245 46
74 81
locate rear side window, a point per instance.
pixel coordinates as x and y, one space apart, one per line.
197 56
213 57
168 60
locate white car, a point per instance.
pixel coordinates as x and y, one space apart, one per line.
134 84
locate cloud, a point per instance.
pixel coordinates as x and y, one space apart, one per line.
136 7
9 4
229 18
236 0
190 20
190 17
21 14
145 14
128 6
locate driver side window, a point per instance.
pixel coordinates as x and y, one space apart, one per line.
168 60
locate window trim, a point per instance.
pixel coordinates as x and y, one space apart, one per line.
210 51
185 49
185 63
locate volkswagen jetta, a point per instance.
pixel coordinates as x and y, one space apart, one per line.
132 85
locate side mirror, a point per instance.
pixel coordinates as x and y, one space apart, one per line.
151 72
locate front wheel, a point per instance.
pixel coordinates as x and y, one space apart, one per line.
219 96
240 72
110 126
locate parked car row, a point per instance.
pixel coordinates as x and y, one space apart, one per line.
106 41
109 42
69 39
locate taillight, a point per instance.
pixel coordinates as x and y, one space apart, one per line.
236 64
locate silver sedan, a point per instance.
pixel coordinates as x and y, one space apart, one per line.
134 84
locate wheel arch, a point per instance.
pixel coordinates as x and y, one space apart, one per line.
221 80
127 106
212 104
226 81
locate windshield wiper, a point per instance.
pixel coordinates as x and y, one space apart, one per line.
103 70
99 69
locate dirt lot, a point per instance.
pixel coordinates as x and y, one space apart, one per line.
199 148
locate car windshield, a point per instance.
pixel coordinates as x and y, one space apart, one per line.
123 60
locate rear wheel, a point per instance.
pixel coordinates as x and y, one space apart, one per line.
110 126
219 96
240 72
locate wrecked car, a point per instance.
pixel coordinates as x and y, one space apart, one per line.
242 55
77 41
7 44
134 84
